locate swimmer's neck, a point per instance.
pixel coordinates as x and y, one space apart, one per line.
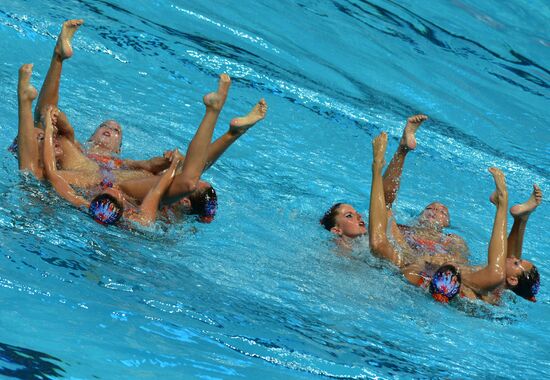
344 243
429 226
100 151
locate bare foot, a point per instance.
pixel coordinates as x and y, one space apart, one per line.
409 140
25 89
216 100
63 47
524 209
501 192
240 125
379 145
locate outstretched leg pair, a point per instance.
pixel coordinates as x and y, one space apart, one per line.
520 213
201 153
29 138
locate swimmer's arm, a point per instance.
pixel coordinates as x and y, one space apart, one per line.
154 165
494 273
147 213
397 234
58 182
64 128
384 248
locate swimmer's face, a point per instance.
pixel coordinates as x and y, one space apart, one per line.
349 222
515 267
108 135
436 214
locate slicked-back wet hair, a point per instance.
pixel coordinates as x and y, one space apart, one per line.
329 218
528 284
204 203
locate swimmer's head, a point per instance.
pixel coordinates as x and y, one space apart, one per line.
204 202
106 209
343 220
108 136
523 278
445 283
436 215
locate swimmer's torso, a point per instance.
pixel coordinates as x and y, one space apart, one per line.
430 242
74 159
83 172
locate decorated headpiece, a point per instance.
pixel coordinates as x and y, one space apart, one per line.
445 283
105 209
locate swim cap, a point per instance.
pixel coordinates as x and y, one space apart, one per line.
445 283
205 204
105 209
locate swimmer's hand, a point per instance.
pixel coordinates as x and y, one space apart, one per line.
48 119
169 154
175 158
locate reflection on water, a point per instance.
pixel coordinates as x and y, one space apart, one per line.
22 363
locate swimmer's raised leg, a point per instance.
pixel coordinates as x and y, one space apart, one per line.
392 175
493 273
521 214
28 149
198 148
49 93
186 181
237 127
378 216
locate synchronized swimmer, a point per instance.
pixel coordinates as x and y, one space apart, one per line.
98 171
93 176
444 275
426 255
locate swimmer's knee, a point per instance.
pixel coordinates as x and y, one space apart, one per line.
186 185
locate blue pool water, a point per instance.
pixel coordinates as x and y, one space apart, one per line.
260 293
